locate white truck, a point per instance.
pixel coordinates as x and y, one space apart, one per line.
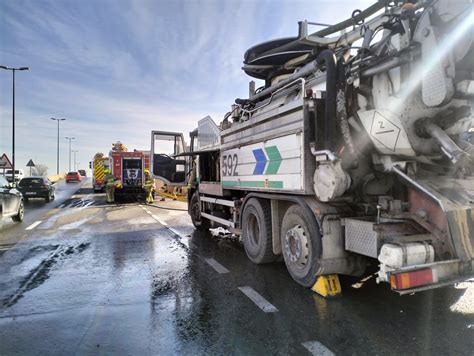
354 151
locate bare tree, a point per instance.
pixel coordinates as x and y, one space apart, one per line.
40 170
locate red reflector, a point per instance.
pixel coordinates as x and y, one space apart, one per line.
411 279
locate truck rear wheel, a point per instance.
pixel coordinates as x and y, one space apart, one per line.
301 245
257 231
195 213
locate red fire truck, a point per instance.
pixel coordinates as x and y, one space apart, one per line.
129 171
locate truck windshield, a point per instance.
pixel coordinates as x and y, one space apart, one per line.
132 163
168 144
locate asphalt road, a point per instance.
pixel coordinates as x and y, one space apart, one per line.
136 279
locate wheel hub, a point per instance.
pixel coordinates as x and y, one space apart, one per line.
296 245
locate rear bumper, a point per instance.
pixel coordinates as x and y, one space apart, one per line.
446 283
407 280
130 191
37 194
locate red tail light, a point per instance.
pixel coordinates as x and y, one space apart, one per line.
412 279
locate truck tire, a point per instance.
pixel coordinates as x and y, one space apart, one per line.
257 231
301 245
195 213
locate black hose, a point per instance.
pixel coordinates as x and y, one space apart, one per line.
357 18
328 59
341 111
304 71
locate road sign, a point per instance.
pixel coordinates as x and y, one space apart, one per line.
30 163
5 162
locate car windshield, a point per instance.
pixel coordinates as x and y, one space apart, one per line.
3 183
72 173
10 171
31 182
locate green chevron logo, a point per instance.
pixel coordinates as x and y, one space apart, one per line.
274 158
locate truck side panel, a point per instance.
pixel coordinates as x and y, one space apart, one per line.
275 164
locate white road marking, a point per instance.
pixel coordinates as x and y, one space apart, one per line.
175 231
159 220
32 226
260 301
164 223
61 206
190 244
316 348
216 265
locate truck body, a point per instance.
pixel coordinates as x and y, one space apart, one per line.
129 171
98 166
353 153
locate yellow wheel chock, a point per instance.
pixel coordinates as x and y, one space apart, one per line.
327 286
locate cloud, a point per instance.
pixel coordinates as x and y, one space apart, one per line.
116 69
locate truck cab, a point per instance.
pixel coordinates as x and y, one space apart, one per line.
168 157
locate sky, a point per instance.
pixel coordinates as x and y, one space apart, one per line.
118 69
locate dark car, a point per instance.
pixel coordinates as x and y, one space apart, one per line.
82 172
11 201
73 177
36 187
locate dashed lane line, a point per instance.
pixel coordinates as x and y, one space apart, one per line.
176 232
32 226
260 301
216 265
316 348
159 220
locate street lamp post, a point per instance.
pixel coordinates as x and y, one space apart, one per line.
13 116
57 153
70 139
75 151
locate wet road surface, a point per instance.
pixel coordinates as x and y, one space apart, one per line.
38 209
136 279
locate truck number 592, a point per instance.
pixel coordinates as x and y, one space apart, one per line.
229 165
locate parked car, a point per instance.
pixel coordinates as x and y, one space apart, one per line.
73 177
36 187
82 173
18 174
11 201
